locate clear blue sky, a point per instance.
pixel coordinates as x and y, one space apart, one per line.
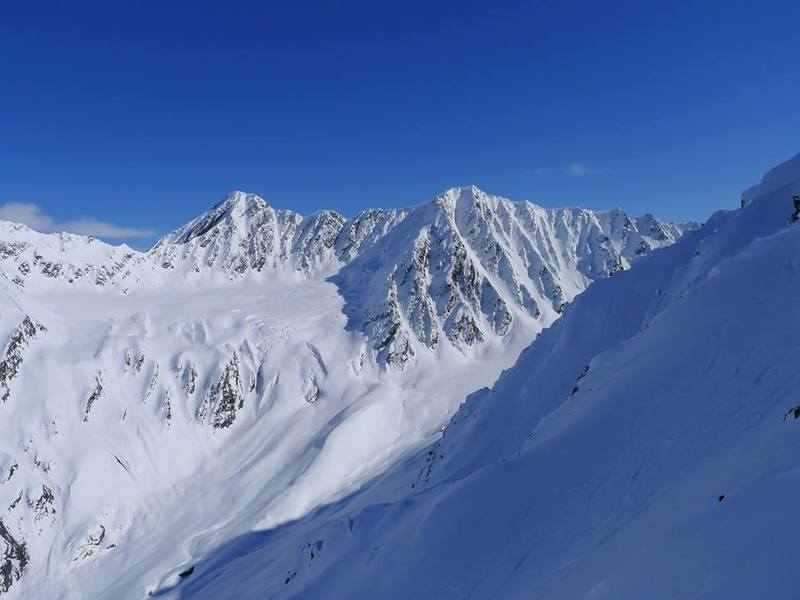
143 114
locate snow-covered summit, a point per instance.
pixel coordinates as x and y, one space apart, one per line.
238 209
782 178
240 234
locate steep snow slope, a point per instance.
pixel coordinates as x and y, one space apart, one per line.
646 445
155 405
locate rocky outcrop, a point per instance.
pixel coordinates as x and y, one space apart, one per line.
225 398
44 505
20 338
94 538
13 560
94 395
190 378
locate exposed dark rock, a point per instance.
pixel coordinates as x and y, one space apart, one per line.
94 395
44 505
393 346
190 378
152 386
795 412
186 573
94 538
167 406
11 470
310 551
225 397
21 337
14 559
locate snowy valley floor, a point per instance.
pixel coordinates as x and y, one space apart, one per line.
184 491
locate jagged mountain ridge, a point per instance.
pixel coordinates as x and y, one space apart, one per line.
224 350
463 267
460 268
64 258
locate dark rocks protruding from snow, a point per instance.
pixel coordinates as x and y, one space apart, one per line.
13 560
94 538
186 573
151 387
21 337
94 395
225 397
190 378
794 412
45 505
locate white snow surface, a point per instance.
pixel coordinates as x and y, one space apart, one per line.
253 366
646 445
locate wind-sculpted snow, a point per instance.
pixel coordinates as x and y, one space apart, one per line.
645 445
254 365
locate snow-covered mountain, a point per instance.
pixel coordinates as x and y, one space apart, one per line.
645 445
458 268
46 259
253 365
461 269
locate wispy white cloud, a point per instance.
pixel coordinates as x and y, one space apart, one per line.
31 215
536 172
582 170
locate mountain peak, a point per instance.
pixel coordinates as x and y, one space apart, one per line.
463 190
240 199
782 179
458 195
237 208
